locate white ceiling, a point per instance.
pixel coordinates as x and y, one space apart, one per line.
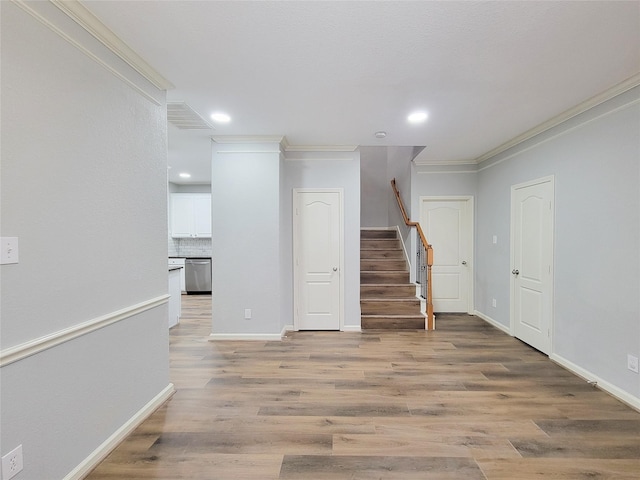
334 73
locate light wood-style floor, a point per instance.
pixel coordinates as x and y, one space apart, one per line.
463 402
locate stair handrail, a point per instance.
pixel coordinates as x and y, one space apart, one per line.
428 250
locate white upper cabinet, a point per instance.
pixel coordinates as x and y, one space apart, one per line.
191 215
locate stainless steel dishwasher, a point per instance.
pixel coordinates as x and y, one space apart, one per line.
197 275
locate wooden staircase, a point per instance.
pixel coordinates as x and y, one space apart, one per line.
387 297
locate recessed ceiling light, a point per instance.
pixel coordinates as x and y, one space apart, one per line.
185 175
380 134
417 117
220 117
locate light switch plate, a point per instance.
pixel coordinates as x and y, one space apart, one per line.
632 363
8 250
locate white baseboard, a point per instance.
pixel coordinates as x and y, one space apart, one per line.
625 397
270 337
100 453
493 322
351 328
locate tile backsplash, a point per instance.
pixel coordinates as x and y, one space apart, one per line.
189 247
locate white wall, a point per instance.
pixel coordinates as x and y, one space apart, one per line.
83 186
326 170
246 252
252 185
374 187
595 160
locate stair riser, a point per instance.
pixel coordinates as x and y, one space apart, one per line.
384 277
408 307
378 234
387 291
394 323
383 265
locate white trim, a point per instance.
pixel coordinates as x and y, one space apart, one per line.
87 20
285 329
318 158
244 152
119 435
426 163
214 337
33 347
623 396
404 248
594 101
320 148
430 172
83 49
317 148
296 240
493 322
352 328
240 139
470 206
564 131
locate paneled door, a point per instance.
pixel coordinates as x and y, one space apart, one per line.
448 225
318 244
532 262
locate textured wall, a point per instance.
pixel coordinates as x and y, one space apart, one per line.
83 186
594 158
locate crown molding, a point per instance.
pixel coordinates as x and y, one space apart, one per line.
426 163
594 101
317 148
80 14
321 148
238 139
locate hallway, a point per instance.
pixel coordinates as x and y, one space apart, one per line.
464 401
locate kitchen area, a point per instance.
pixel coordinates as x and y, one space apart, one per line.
189 205
189 244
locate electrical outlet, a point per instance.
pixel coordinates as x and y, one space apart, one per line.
8 250
12 463
632 363
247 314
494 304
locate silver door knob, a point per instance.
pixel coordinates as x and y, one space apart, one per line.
335 269
515 271
464 262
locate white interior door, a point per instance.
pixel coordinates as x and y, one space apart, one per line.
448 225
532 262
318 241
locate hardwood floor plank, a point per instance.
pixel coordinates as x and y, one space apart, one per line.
463 402
560 469
318 467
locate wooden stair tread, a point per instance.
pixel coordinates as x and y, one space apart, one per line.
392 299
387 297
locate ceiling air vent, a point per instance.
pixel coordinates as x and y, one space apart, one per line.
183 116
